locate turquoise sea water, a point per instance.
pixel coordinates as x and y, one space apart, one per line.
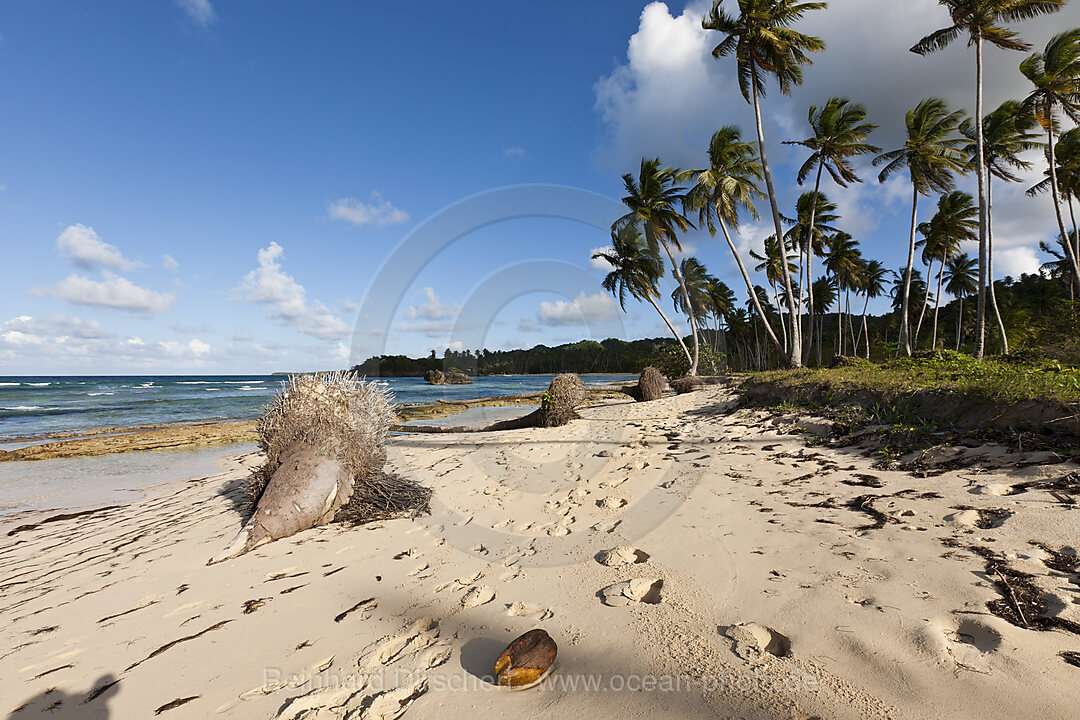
32 406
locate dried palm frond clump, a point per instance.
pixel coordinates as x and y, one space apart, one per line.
650 384
565 393
324 437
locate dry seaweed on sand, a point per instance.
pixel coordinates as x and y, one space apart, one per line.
650 385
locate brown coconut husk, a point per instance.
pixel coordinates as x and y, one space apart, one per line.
650 385
686 384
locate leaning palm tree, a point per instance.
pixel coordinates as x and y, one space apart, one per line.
764 43
839 133
982 21
955 221
1067 168
652 199
1055 73
871 285
697 282
961 280
1007 133
1060 268
721 305
844 260
723 191
931 156
636 271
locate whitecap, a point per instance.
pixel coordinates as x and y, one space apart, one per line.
23 407
9 384
194 382
100 393
39 384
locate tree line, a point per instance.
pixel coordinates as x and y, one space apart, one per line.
941 144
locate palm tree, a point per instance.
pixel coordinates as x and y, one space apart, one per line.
636 271
961 278
982 19
1007 133
839 133
763 42
697 282
956 220
722 191
721 305
900 281
824 296
652 199
771 264
814 215
1055 73
1060 268
844 261
931 156
871 285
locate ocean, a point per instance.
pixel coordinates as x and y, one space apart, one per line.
32 406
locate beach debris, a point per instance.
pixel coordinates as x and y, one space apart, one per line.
754 640
638 590
650 384
324 438
621 556
526 661
686 384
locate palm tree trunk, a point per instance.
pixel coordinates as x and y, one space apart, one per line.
926 300
866 330
750 289
689 307
783 325
670 327
1057 207
905 340
937 303
851 329
980 171
810 260
959 321
795 347
839 320
990 260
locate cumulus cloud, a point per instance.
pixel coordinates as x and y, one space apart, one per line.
378 212
199 11
286 299
195 348
433 308
583 310
112 291
87 250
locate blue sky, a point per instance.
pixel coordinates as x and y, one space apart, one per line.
203 186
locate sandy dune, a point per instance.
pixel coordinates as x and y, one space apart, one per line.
753 575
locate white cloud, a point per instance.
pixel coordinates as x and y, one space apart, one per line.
433 308
170 263
528 325
286 299
86 249
601 263
200 11
195 348
582 311
378 212
112 291
514 152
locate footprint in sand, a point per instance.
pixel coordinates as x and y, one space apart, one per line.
520 609
477 596
611 503
631 592
420 635
621 556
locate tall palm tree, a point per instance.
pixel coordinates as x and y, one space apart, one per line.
814 215
723 191
764 43
824 296
982 21
1007 133
721 305
871 285
931 156
636 271
961 280
839 133
697 281
652 199
844 260
771 264
1055 73
955 221
1067 154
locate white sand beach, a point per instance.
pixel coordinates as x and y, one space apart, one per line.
114 613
